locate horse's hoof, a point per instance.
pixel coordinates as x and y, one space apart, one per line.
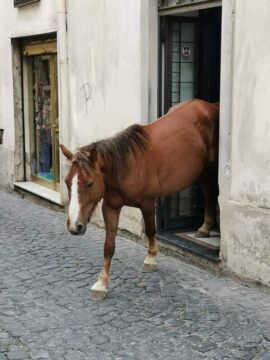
201 234
149 268
97 295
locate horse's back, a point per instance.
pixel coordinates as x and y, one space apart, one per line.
189 108
197 118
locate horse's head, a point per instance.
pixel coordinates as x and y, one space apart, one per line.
85 188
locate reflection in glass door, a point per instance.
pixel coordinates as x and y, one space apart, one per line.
183 61
44 130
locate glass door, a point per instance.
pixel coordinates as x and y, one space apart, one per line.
180 56
183 54
43 119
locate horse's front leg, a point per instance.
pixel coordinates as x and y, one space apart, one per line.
111 218
148 212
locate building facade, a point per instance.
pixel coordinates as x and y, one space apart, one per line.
75 72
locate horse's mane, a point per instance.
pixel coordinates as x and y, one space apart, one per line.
115 150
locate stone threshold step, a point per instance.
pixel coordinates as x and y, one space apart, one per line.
211 242
186 246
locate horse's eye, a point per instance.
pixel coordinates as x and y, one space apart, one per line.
89 184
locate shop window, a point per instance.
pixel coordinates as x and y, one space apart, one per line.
43 114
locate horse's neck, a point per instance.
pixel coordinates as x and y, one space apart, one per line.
116 179
107 171
104 166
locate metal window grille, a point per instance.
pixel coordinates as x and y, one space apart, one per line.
18 3
174 3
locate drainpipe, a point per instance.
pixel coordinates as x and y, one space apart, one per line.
64 110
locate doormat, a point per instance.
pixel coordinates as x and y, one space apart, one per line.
212 242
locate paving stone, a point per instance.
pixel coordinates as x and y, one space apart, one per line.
17 355
75 355
99 340
178 312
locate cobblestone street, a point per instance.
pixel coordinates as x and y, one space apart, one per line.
179 312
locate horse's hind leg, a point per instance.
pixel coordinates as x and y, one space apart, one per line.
209 185
111 218
148 212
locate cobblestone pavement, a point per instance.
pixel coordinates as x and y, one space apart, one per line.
179 312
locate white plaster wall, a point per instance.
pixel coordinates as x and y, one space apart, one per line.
251 123
107 63
246 241
245 154
14 22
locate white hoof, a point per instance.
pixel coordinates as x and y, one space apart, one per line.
149 264
98 291
97 295
149 268
201 234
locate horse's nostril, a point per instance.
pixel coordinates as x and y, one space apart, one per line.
79 228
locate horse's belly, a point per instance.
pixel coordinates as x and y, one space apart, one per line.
176 175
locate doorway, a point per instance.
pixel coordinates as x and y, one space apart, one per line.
190 45
42 125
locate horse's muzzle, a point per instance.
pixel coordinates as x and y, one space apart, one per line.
79 229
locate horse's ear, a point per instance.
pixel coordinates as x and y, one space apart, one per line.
93 156
68 154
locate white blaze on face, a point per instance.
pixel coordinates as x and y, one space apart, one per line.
74 207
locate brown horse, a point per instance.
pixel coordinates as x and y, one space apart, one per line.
138 165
